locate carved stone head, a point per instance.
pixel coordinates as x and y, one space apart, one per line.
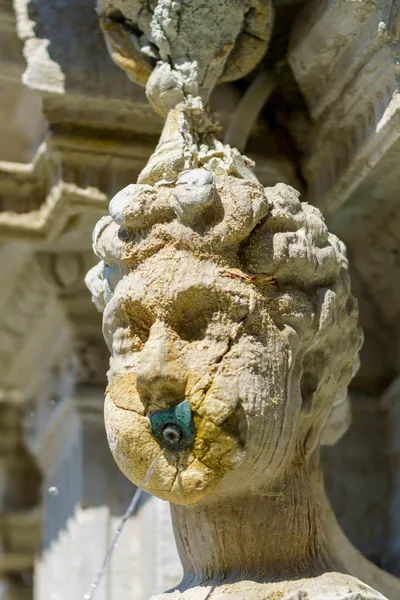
232 329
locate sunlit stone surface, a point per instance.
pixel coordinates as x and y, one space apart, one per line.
328 128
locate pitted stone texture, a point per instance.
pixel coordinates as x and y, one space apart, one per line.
248 315
139 206
238 301
238 206
294 242
329 586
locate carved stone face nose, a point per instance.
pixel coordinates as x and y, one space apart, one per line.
160 371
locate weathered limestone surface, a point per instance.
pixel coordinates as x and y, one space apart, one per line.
142 35
154 311
204 275
102 131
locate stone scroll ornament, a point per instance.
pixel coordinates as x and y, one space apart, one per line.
230 321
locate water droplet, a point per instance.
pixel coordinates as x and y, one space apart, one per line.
53 490
90 593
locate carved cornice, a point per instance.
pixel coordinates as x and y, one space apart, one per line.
348 74
330 43
68 63
68 182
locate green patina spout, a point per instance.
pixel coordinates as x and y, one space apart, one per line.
173 427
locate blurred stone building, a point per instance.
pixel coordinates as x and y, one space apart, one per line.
73 131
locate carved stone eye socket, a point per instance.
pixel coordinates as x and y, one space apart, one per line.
193 310
196 309
140 321
193 327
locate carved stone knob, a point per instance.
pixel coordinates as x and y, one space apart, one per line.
138 206
194 193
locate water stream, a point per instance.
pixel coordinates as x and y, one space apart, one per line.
130 511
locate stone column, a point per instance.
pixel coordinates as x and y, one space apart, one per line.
19 520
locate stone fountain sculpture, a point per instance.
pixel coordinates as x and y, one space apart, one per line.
230 321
